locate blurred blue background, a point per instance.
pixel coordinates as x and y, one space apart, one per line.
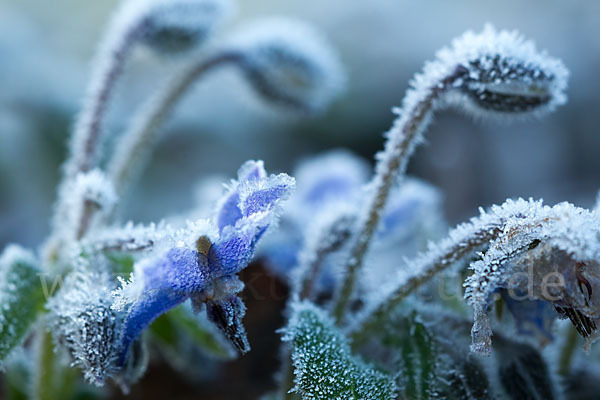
46 48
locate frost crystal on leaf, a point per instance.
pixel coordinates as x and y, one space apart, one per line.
81 319
289 63
324 366
21 297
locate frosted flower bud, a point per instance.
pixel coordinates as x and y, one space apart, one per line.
82 320
547 255
498 72
167 26
289 63
178 25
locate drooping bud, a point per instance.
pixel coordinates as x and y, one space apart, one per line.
177 25
289 63
498 72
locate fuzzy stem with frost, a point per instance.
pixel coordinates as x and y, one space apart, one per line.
88 127
443 257
329 239
402 139
85 142
137 142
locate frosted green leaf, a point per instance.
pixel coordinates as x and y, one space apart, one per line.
324 365
430 366
21 296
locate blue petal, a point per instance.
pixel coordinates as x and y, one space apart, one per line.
180 269
399 216
333 176
264 199
231 255
532 317
329 187
150 306
167 281
229 212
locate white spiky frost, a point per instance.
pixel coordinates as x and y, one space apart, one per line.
560 240
462 241
90 189
493 73
156 243
493 63
81 319
20 296
128 238
290 63
324 366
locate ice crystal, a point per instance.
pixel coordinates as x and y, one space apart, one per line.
89 191
81 319
202 263
21 297
324 366
288 62
462 241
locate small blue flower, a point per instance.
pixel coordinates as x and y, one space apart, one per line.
204 267
337 180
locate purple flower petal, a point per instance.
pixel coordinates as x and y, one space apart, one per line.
167 281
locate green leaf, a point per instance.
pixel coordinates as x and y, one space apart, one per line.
181 325
324 365
431 359
21 296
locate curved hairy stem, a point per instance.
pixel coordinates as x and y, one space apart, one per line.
137 142
427 267
111 60
402 139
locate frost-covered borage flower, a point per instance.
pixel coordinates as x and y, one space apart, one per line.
88 319
203 266
352 330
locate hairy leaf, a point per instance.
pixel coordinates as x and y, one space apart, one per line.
21 296
324 365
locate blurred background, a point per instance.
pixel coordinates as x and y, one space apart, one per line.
46 48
